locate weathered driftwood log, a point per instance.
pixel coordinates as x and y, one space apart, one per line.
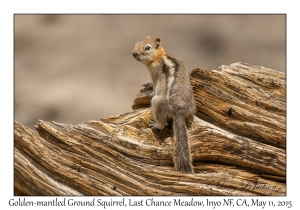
237 143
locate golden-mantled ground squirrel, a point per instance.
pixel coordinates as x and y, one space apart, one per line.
172 96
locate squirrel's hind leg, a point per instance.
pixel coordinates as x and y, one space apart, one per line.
159 113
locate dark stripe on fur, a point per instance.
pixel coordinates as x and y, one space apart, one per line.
176 65
174 61
166 71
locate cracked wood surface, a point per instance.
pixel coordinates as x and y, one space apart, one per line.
237 142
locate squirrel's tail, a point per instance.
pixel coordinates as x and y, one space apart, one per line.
181 151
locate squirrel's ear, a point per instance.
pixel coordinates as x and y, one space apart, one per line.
157 42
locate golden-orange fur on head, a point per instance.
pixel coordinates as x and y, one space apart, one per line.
148 51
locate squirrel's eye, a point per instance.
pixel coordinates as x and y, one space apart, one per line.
147 48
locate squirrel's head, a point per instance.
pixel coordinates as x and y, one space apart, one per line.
148 51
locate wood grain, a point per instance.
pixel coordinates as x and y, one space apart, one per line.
238 141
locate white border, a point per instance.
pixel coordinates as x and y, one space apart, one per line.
9 8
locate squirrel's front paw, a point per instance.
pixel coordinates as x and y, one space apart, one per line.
154 125
148 86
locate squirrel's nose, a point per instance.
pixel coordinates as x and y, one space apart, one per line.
134 53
